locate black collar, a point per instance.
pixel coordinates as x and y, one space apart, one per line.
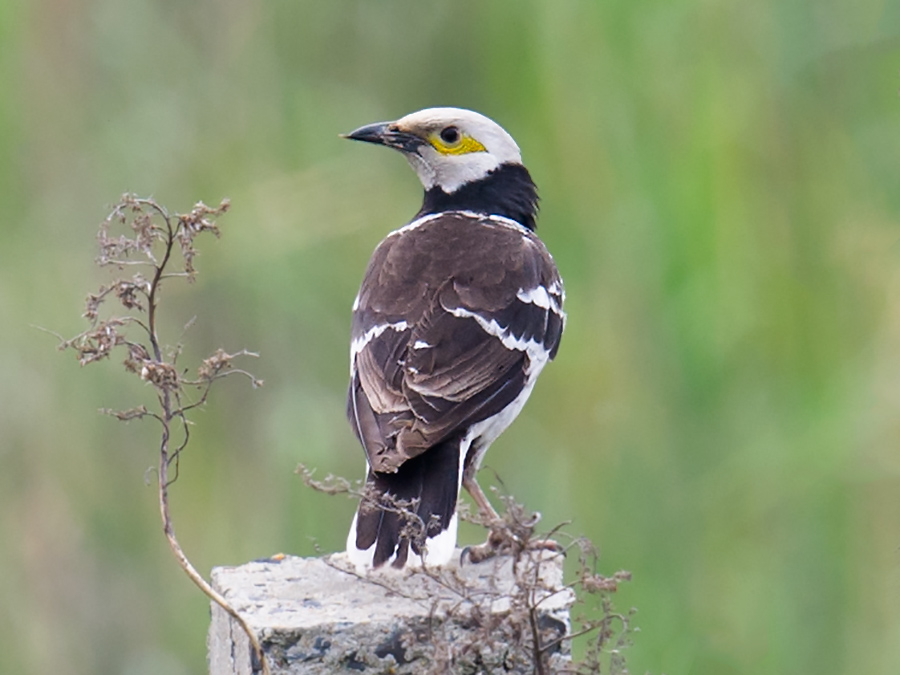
506 191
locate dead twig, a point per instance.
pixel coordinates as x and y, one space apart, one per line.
152 240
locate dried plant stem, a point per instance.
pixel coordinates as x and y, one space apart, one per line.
183 560
153 238
169 414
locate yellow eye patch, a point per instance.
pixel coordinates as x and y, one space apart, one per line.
464 145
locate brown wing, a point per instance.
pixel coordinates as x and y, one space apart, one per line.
450 317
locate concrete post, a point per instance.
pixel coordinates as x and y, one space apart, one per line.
320 615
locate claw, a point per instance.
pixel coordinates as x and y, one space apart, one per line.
478 554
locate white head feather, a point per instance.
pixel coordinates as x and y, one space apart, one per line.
450 170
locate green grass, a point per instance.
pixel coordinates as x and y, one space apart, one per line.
719 188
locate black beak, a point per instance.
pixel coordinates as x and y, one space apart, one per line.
386 133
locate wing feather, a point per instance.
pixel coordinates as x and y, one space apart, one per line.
450 320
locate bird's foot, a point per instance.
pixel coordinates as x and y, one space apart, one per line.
509 539
495 545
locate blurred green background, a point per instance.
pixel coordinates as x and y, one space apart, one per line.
720 190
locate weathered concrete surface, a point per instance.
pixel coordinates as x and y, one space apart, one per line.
318 616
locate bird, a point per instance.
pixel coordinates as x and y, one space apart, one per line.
458 312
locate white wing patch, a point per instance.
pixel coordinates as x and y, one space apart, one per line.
535 296
545 298
536 352
358 344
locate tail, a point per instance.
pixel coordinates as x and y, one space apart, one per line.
431 482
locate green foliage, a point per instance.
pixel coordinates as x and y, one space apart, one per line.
718 187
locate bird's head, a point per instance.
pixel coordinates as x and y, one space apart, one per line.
447 147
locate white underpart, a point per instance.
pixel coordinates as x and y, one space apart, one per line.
450 171
421 344
487 431
358 344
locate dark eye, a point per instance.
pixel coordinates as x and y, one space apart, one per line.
450 135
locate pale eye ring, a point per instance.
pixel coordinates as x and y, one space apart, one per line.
450 135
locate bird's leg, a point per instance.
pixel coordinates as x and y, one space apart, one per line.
481 501
492 519
501 537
